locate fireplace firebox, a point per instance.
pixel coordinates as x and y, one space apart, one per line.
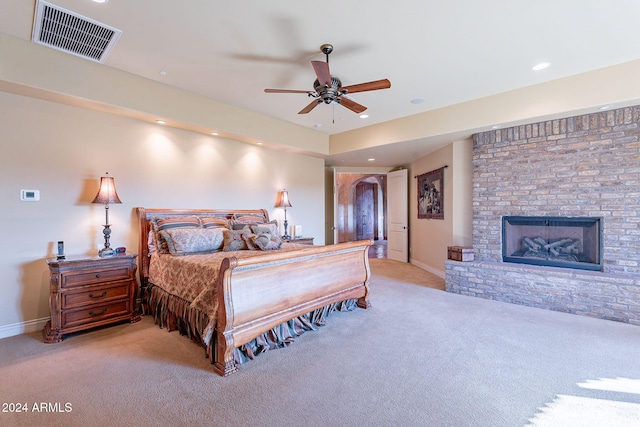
570 242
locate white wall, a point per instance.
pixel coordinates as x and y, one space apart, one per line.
63 150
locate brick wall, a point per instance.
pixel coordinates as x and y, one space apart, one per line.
586 165
580 166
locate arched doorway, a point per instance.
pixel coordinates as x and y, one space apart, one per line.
350 222
362 209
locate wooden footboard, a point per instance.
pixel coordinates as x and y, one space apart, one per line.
259 293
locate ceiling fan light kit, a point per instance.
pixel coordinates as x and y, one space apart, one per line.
328 89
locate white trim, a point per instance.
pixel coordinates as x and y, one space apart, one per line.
27 327
428 268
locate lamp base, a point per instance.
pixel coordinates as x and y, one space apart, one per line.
106 252
286 236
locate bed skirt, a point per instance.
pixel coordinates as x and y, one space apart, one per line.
174 313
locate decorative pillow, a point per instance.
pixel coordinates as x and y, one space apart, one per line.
270 227
183 241
248 238
160 224
266 241
239 220
213 222
151 242
234 240
253 218
239 225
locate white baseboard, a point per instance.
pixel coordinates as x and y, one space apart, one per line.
23 327
428 268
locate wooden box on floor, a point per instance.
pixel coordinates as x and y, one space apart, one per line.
459 253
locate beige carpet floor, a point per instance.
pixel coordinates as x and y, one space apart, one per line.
418 357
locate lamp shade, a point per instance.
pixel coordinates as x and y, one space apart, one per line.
107 193
282 201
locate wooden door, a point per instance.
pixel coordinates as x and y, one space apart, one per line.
364 210
397 215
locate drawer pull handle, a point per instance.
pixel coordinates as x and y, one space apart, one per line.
92 313
104 293
97 276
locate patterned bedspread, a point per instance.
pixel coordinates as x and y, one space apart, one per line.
193 277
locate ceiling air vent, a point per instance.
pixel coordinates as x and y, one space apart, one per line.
69 32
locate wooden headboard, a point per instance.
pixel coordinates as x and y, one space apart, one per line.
144 226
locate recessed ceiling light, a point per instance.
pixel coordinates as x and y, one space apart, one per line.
214 133
100 1
371 160
496 126
317 125
364 116
259 143
540 66
606 107
417 100
163 73
161 122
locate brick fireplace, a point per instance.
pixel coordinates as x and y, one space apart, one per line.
580 167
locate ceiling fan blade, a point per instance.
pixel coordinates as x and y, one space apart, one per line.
352 105
322 72
363 87
310 107
286 91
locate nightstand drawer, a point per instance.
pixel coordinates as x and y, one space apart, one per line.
95 314
96 295
94 277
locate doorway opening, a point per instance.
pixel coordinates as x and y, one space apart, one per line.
362 209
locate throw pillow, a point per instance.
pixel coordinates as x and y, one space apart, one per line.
234 240
183 241
267 241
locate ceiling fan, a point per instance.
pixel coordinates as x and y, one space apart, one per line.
328 88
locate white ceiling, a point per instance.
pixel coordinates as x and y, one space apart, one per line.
445 52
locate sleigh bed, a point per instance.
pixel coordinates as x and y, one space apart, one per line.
239 303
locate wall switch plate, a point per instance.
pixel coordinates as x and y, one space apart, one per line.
29 195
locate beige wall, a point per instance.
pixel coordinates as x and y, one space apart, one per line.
429 238
462 189
63 150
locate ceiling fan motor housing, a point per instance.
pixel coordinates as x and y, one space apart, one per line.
328 94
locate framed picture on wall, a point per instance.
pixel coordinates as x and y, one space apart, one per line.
431 195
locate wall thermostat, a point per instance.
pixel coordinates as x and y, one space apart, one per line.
30 195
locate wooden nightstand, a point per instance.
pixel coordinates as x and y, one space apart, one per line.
90 291
301 240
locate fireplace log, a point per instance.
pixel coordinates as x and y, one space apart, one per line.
557 243
574 248
539 240
531 245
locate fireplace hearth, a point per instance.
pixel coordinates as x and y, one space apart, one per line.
569 242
